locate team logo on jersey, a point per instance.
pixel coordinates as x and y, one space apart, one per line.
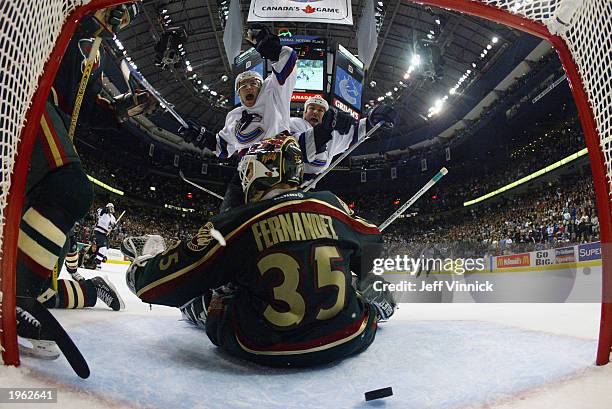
85 47
248 127
201 240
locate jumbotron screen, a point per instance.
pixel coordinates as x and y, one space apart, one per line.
348 81
311 64
248 61
310 75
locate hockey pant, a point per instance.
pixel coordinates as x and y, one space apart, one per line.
52 207
102 244
220 329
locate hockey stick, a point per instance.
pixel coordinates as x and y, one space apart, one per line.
116 223
89 63
341 158
210 192
413 199
51 329
162 102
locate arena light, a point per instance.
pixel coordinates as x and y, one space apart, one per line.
104 185
528 178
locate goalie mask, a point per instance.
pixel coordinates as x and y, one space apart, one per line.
269 163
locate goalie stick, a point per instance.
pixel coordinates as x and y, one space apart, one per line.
210 192
414 198
55 332
340 158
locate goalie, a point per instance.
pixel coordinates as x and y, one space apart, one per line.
280 267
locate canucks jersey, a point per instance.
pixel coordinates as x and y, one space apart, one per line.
291 258
106 221
316 162
268 117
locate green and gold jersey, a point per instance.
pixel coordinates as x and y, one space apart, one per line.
291 258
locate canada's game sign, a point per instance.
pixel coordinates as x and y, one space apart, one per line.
309 11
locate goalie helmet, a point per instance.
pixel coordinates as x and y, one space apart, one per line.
110 207
268 163
317 99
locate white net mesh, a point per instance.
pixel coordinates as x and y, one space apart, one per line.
28 34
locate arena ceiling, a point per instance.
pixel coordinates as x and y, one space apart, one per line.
460 38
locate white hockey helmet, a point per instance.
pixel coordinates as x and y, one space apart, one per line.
317 99
110 207
247 75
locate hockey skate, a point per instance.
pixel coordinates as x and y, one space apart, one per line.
30 330
382 301
195 311
106 291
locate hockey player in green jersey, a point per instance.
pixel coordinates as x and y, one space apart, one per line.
281 272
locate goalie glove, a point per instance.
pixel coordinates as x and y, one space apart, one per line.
140 249
134 247
378 296
267 44
198 135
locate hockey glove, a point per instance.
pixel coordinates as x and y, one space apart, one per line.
267 44
333 120
198 135
383 113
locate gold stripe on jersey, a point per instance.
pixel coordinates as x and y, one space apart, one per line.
230 235
35 251
51 142
363 326
44 226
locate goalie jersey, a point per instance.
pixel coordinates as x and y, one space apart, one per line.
270 114
290 258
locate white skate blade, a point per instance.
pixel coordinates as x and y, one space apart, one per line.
40 349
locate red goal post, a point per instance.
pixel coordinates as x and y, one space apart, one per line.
33 39
584 50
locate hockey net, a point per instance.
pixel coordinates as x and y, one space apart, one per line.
33 39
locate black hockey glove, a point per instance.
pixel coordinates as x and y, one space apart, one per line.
333 120
382 113
198 135
378 296
267 44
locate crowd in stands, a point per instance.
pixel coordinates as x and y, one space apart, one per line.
537 152
556 214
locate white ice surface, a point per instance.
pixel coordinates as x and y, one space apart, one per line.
433 355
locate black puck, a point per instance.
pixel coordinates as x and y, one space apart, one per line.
378 393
